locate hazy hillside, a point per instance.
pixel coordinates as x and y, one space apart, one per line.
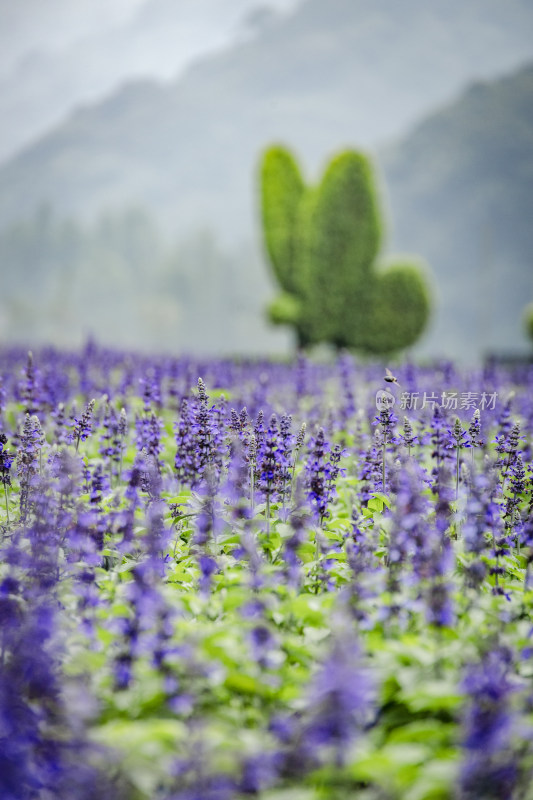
461 193
336 72
58 54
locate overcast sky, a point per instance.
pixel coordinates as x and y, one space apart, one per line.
54 26
57 55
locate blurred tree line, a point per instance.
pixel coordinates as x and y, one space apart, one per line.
119 280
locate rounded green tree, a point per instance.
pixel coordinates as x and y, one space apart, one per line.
323 243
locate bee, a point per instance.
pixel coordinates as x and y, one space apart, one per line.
389 377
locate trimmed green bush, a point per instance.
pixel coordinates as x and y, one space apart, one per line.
282 192
323 244
528 321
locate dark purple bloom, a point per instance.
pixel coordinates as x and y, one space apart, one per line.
321 472
442 441
474 430
408 437
29 388
60 429
28 460
6 460
490 767
82 427
339 701
507 449
185 459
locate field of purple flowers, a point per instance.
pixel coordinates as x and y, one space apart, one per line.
291 581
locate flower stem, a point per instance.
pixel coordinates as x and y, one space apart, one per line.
383 461
119 476
252 488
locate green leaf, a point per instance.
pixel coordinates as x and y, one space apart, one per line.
385 499
433 696
147 747
375 504
246 684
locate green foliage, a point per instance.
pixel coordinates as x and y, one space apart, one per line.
284 310
282 190
323 243
120 279
402 308
528 321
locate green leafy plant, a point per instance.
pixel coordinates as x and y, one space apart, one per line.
323 243
528 321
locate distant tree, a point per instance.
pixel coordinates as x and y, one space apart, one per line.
323 243
528 321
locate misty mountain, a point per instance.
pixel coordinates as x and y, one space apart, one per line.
59 55
342 72
461 193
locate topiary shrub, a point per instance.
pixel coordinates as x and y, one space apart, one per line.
323 243
528 321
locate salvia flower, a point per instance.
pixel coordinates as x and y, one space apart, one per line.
340 701
511 448
371 472
6 460
28 457
82 427
149 428
29 388
504 428
273 461
321 473
441 439
490 768
517 485
460 441
474 430
185 458
408 437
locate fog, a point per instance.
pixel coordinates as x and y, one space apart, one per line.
57 55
